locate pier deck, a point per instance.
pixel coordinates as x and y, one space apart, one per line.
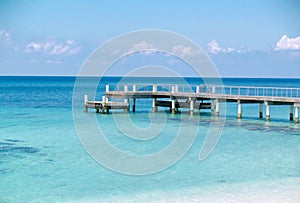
199 97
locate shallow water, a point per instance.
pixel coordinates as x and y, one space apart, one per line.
42 159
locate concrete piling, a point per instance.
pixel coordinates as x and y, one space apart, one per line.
239 109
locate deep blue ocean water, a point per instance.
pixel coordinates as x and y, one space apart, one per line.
42 159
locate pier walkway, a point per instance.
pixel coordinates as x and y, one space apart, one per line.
197 97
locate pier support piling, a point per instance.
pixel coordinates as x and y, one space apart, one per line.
267 111
260 110
126 100
191 105
296 114
173 110
133 104
154 107
239 109
212 106
217 107
291 112
198 109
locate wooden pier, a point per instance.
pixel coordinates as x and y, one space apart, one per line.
197 97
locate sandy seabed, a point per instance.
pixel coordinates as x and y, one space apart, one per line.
284 190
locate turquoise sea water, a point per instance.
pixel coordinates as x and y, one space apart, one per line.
42 159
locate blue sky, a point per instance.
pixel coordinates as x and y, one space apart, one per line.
258 38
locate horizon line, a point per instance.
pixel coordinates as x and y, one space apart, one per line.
242 77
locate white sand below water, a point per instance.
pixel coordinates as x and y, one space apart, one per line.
287 190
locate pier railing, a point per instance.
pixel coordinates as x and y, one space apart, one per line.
250 91
255 91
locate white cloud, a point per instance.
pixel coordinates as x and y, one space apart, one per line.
52 62
32 47
70 42
286 43
74 50
243 49
114 52
182 51
228 49
143 45
53 46
5 36
172 61
214 47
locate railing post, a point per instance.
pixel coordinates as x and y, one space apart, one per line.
86 98
173 89
134 88
213 89
176 88
154 88
107 88
197 89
